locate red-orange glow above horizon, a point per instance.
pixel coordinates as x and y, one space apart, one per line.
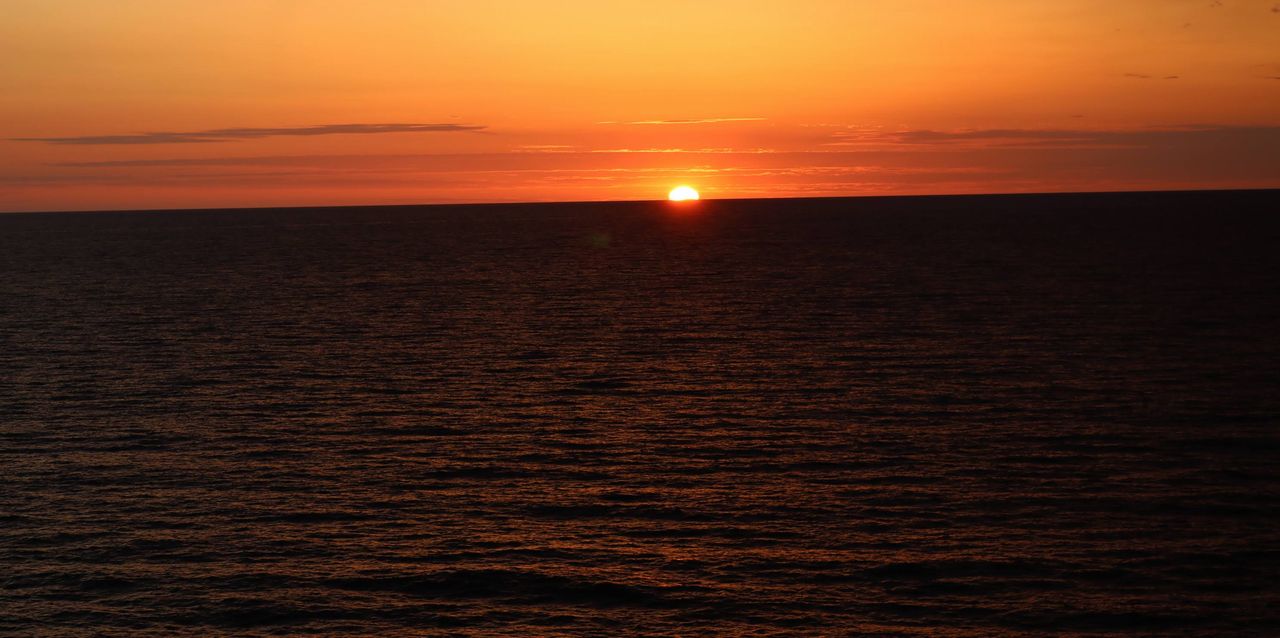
179 103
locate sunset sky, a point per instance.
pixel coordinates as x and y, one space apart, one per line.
125 104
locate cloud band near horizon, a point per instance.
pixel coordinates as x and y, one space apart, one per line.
237 134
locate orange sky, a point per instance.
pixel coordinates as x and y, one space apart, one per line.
183 103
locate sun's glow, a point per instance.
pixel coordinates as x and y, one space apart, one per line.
682 194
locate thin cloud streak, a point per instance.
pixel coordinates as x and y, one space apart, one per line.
709 120
237 134
925 139
699 151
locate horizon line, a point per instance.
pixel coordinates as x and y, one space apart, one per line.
642 201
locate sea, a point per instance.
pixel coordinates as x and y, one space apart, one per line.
972 416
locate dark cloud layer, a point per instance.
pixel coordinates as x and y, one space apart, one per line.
235 134
1258 142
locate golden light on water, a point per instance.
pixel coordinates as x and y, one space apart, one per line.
683 194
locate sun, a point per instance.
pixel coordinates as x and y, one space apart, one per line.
682 194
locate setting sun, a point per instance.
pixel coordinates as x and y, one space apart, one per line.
683 194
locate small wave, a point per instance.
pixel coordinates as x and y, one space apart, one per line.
525 587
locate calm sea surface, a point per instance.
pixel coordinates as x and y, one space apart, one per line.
979 416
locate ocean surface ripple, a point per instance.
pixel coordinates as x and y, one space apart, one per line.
969 416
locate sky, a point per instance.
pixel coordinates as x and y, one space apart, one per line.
146 104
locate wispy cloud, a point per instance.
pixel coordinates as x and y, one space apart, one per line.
924 139
1005 137
1144 76
543 148
708 120
237 134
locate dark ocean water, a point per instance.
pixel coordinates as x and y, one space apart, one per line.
977 416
